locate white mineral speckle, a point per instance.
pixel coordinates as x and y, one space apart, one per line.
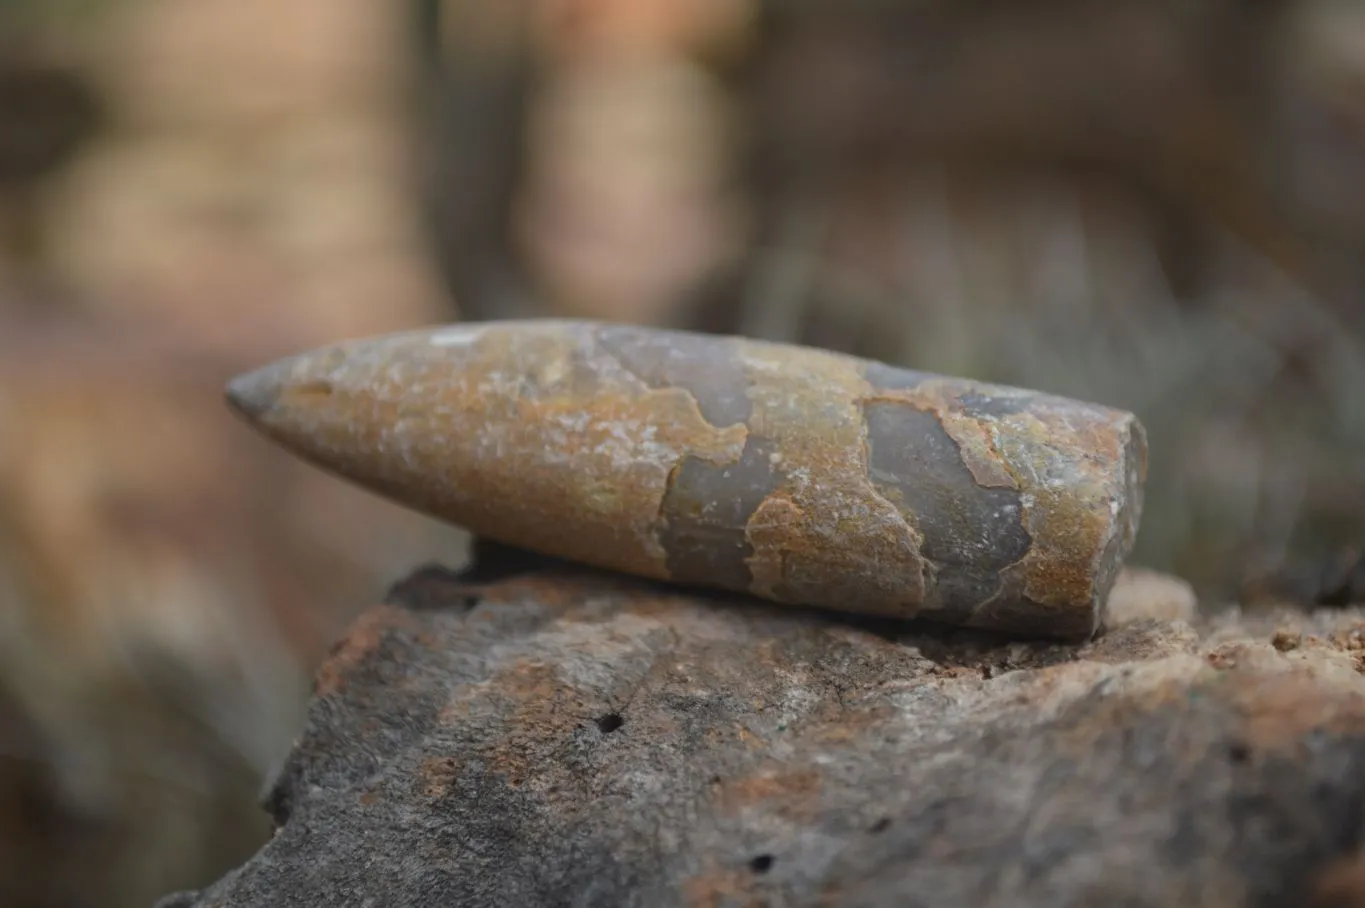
456 336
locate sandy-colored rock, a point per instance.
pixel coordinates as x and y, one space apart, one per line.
1140 593
572 738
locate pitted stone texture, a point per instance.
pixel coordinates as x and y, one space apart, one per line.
577 739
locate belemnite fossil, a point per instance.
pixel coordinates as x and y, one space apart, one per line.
797 475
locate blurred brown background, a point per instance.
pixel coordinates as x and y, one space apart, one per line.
1155 204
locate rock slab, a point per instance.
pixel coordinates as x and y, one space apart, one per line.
568 738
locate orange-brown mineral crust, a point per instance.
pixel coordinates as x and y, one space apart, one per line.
798 475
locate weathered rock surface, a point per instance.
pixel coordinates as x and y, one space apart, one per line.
564 737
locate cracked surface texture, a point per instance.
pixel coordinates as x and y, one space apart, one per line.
798 475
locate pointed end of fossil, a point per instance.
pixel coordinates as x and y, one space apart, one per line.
253 394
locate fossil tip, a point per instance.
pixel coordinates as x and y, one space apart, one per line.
254 393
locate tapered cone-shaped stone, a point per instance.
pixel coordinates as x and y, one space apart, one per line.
798 475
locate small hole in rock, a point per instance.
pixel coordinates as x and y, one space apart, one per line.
761 864
880 826
1239 752
279 804
609 723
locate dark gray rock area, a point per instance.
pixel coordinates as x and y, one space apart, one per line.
567 738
